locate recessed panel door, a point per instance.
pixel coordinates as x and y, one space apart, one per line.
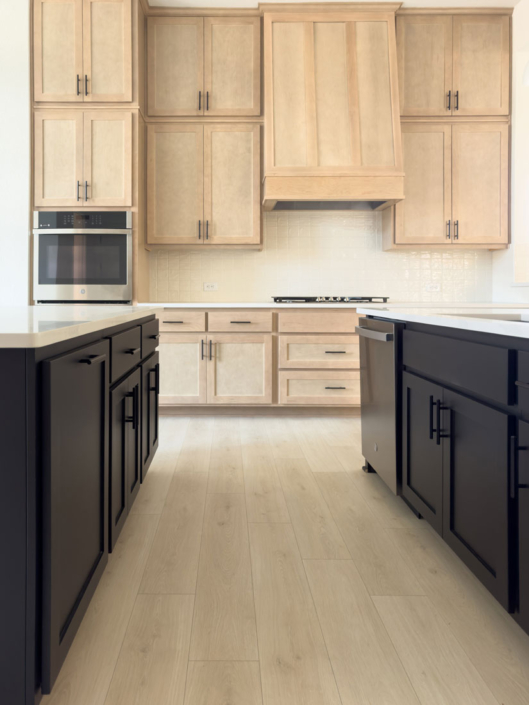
183 366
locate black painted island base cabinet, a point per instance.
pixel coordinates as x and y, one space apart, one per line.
75 450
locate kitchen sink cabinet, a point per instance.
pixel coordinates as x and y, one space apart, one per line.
204 66
150 392
83 158
454 64
82 51
422 466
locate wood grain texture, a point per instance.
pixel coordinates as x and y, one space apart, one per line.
223 683
152 665
295 667
365 663
196 450
225 470
318 453
224 622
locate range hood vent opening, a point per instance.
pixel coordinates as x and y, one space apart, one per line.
329 205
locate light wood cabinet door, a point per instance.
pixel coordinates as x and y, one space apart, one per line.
481 65
423 218
232 65
424 51
107 50
232 186
175 184
480 183
58 155
183 368
107 158
58 50
175 65
239 369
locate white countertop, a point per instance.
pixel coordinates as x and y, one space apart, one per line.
393 304
252 305
466 317
37 326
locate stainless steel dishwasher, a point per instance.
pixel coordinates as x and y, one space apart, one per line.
380 354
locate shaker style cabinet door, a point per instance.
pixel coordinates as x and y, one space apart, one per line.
107 50
58 155
183 364
175 66
232 184
480 183
58 50
175 184
522 615
150 381
481 65
232 65
107 158
424 217
424 53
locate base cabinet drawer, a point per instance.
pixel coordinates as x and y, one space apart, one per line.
125 352
247 321
150 335
318 321
319 351
176 321
319 387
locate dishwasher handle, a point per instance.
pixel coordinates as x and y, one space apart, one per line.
374 334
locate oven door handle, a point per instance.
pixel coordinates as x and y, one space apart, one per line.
374 334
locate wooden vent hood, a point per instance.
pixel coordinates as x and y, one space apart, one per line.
332 119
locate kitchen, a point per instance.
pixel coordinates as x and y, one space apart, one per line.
284 246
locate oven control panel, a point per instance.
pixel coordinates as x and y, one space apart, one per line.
68 220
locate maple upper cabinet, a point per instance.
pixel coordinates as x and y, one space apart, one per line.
83 158
454 64
82 51
330 103
204 66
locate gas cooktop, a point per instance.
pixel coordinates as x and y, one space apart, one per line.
330 299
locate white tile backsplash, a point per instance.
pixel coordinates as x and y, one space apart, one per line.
321 254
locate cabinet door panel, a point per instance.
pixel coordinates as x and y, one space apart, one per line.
175 184
58 157
58 50
480 183
240 369
108 158
424 50
232 70
422 218
183 361
75 488
107 50
175 65
481 65
422 466
232 184
150 371
522 615
477 507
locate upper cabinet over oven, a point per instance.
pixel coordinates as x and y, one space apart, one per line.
82 51
454 64
207 66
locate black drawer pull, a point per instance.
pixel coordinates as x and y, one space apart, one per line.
432 429
171 322
335 352
93 359
201 349
200 100
438 433
155 337
457 100
522 385
133 351
449 107
78 83
156 370
335 387
240 321
85 84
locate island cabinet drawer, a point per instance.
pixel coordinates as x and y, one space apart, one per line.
318 321
481 369
247 321
125 352
319 351
150 337
319 387
522 383
178 321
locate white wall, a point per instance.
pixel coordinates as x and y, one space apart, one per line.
511 267
14 152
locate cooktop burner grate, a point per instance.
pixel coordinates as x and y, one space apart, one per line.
330 299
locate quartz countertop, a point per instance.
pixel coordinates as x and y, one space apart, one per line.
498 319
37 326
391 305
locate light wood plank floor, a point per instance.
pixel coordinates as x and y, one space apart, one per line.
261 566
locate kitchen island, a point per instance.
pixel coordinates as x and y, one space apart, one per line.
79 428
464 431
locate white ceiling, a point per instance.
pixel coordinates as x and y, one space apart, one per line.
406 3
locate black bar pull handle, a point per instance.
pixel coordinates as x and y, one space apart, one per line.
522 385
86 190
207 229
456 229
156 370
155 337
199 226
432 429
240 321
85 84
512 467
438 433
210 350
201 349
207 100
335 352
449 96
78 84
335 387
448 230
133 351
93 359
78 187
200 100
171 322
457 100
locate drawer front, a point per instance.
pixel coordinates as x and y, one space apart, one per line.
522 387
125 352
176 321
318 321
319 352
240 321
482 369
319 388
150 337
